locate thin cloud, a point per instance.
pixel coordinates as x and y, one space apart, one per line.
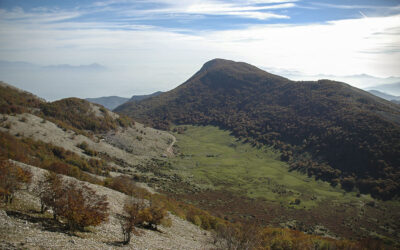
250 9
256 12
355 6
271 1
39 15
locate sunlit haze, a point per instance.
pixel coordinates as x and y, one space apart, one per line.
58 49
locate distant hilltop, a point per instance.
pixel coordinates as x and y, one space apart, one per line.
111 102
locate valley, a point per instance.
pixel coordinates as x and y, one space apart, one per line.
237 181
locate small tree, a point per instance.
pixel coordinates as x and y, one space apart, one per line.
82 207
50 190
12 179
133 210
78 204
154 214
40 191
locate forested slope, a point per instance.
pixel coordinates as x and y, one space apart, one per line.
325 128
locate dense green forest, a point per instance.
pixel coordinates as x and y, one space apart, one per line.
327 129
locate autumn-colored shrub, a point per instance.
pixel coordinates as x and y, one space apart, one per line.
133 210
78 204
126 185
154 214
125 121
13 101
81 206
50 191
48 156
138 214
12 179
85 147
237 236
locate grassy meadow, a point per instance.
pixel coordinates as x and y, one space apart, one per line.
213 159
241 182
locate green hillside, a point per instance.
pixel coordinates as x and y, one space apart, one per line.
326 129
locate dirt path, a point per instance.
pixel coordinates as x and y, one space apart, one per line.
169 150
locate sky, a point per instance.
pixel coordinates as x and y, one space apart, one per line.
92 48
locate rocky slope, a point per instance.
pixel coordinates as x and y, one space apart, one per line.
30 231
134 144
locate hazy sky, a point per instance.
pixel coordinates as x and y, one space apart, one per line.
58 49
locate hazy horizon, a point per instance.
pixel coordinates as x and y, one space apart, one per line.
132 47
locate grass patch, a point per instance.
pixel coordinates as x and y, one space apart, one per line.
212 158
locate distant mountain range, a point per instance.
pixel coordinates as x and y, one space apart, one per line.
66 67
90 67
142 97
328 129
389 85
392 88
111 102
385 96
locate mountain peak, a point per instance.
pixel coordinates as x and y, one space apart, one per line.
218 64
237 72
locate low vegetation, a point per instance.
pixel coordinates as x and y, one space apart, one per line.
218 161
50 157
77 113
257 187
13 101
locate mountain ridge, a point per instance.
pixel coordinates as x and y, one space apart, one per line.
112 102
109 102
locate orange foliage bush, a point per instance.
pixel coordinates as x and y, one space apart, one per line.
154 214
12 178
133 210
78 204
50 192
126 185
81 206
